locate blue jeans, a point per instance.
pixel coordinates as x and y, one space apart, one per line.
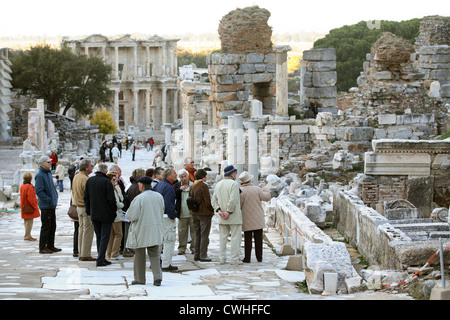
60 185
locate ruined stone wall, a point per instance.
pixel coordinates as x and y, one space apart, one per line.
390 80
417 171
246 31
319 78
236 77
434 30
433 50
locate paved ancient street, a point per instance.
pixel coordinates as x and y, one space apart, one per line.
26 274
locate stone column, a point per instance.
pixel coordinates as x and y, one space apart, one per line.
253 149
301 92
164 105
116 63
175 105
167 133
230 141
198 136
147 64
136 107
147 107
135 61
239 143
188 133
175 62
282 82
116 107
163 60
42 137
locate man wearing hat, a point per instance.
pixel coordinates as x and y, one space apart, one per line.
146 230
226 202
47 201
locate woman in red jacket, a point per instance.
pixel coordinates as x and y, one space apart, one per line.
28 196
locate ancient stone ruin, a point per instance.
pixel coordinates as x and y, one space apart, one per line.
373 168
244 31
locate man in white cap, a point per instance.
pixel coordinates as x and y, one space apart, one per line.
47 201
226 203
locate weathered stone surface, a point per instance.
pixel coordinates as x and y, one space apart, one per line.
323 92
324 79
397 164
246 31
320 54
326 257
321 66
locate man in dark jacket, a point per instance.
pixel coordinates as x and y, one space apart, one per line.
167 190
47 201
100 204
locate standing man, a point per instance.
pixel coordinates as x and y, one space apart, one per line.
146 231
185 222
85 229
167 190
115 152
100 203
133 150
189 166
47 201
226 202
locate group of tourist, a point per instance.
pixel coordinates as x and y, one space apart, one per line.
144 217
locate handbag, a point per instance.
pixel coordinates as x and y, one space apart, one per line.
72 212
27 208
192 203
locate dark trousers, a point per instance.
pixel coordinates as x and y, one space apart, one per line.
76 224
48 229
202 227
258 236
102 233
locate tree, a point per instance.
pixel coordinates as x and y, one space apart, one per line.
63 79
103 118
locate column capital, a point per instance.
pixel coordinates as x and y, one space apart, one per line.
282 48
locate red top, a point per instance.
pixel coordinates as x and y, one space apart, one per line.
28 196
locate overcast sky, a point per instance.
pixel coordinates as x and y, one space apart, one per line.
112 17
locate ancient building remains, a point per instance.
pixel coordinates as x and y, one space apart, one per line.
246 68
144 78
5 95
318 79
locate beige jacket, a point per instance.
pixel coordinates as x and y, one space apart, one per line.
226 197
252 210
78 187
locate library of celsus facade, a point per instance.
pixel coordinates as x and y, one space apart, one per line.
144 77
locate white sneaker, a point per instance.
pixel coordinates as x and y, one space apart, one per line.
118 258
